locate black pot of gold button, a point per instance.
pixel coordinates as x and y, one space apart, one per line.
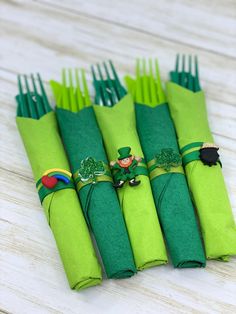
209 154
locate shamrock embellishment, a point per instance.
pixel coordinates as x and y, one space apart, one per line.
90 169
167 159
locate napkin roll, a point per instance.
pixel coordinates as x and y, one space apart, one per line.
207 186
82 139
62 209
118 128
170 190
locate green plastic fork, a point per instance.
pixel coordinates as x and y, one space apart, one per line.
31 104
75 93
108 88
186 78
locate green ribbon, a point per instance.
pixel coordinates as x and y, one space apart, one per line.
106 177
43 191
155 171
80 183
139 170
166 161
190 152
190 146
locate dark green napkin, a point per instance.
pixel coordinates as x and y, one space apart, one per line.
161 151
82 139
170 190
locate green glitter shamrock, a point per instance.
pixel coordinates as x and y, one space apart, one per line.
167 159
90 169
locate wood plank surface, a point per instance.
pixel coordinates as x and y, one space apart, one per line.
47 35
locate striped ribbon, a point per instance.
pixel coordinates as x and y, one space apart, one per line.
155 171
190 152
106 177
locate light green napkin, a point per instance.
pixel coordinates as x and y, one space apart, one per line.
188 110
118 128
64 214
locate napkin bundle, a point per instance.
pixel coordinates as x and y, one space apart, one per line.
82 140
158 139
206 183
115 114
38 128
122 205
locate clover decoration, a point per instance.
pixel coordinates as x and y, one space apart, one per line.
90 169
167 159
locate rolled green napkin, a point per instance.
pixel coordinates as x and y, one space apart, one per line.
82 139
118 128
62 209
169 186
202 165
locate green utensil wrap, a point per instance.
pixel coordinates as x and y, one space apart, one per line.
118 128
62 209
188 110
170 190
82 139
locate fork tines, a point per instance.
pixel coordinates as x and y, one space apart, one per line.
75 93
186 74
148 83
32 99
108 87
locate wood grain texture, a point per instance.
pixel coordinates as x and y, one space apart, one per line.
46 35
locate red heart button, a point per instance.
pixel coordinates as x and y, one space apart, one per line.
49 182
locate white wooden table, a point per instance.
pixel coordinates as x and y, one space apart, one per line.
46 35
